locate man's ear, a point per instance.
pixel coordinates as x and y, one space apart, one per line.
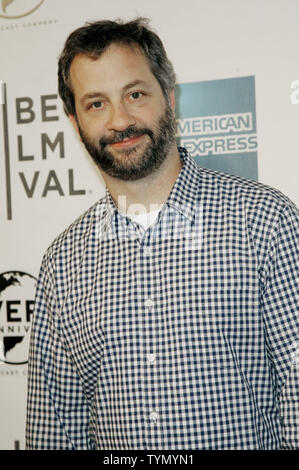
74 122
172 99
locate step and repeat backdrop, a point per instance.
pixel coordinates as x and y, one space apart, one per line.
237 105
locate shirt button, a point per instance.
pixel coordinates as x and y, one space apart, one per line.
147 250
153 416
149 303
151 358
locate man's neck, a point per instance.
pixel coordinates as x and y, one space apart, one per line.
149 192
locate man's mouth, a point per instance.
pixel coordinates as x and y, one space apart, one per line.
127 142
128 138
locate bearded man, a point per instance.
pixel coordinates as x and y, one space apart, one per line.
174 326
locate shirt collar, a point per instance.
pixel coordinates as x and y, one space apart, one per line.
183 196
110 205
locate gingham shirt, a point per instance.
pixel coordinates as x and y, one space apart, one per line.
181 336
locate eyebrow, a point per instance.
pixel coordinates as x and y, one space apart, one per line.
97 94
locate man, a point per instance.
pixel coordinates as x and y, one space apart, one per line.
167 315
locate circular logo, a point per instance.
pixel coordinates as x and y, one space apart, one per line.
17 292
13 9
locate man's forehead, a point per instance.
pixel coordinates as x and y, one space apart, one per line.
119 48
128 64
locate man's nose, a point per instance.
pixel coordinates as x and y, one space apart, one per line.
120 118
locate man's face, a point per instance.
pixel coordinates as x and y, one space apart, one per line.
122 116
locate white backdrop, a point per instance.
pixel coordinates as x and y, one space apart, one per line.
42 190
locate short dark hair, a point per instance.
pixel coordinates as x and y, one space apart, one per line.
94 38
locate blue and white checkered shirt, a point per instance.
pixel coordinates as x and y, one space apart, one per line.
181 336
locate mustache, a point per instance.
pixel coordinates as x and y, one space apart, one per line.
128 133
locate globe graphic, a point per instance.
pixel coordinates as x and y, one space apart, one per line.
17 292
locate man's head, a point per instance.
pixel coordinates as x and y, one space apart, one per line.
95 38
118 89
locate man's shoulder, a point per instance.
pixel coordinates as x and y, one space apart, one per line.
232 188
78 230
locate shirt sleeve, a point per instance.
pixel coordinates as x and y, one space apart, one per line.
57 411
280 303
289 406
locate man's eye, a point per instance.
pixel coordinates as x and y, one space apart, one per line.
97 104
136 95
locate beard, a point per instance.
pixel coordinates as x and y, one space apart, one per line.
133 163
